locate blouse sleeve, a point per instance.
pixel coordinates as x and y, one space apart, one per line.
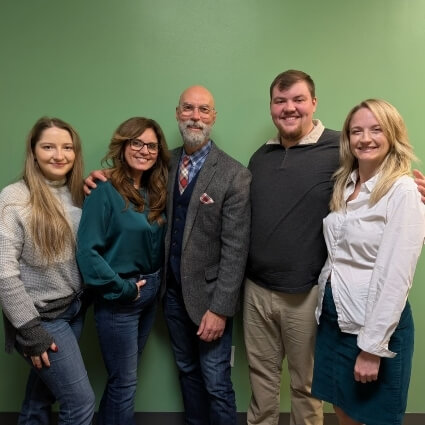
395 265
92 242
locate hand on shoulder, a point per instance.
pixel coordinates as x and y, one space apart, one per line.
420 181
90 181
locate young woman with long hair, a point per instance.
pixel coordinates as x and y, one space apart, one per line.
374 235
40 284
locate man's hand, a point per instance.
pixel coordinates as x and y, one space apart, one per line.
89 182
43 358
420 181
211 327
367 367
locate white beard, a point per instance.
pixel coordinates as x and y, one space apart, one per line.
191 138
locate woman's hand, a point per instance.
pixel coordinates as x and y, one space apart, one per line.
367 367
43 358
139 284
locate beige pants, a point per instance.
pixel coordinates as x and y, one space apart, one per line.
278 324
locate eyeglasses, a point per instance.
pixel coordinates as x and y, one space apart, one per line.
138 145
187 109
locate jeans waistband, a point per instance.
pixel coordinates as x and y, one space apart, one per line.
140 276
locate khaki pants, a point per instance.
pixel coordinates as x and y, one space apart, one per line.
276 325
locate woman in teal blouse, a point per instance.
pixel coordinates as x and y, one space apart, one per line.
120 253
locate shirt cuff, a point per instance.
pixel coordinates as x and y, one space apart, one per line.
374 348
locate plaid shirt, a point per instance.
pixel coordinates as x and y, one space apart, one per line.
197 160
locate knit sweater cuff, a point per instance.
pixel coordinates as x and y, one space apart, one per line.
33 338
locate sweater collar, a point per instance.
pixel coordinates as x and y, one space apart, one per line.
308 139
56 183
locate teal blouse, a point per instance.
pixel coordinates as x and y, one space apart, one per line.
114 243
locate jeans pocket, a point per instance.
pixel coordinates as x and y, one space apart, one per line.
149 290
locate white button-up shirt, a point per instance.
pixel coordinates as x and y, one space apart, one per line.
372 255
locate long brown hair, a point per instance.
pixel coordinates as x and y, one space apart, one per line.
49 227
154 179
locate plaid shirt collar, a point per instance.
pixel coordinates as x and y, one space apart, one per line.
197 159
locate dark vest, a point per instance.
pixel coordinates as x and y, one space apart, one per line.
180 206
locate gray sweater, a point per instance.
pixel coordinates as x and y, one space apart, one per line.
30 290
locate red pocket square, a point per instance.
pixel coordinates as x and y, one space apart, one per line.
206 199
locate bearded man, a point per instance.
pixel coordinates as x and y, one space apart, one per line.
208 212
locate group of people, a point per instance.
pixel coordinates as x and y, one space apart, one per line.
323 231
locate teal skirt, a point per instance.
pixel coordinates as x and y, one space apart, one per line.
382 402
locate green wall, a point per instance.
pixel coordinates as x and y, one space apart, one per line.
96 63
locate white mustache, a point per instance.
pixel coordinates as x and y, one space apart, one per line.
194 124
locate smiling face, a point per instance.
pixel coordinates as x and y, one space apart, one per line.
292 112
368 142
141 160
195 116
54 153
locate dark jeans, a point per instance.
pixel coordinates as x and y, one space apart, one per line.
204 367
123 330
65 380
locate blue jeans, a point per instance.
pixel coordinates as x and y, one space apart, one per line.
204 367
65 380
123 330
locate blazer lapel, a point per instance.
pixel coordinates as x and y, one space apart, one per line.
172 172
206 173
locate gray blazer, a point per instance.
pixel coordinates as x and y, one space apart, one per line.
216 234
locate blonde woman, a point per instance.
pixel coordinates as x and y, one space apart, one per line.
374 235
40 285
120 254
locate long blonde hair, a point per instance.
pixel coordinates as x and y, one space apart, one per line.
49 227
154 179
397 162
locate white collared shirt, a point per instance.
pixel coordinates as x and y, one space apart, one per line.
372 255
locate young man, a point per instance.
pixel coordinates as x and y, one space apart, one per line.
290 193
